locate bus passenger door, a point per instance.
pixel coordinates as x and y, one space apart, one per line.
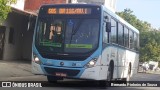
105 54
106 49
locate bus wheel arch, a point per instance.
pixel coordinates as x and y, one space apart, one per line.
104 83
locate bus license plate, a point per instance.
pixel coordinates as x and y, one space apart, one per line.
61 74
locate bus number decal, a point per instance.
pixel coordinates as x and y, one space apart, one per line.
52 11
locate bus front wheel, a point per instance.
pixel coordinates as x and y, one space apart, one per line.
105 83
110 73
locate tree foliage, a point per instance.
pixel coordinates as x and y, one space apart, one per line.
149 37
5 8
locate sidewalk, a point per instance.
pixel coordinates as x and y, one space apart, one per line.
153 72
148 71
18 68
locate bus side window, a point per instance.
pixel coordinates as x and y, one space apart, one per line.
126 37
105 34
131 41
113 31
136 42
120 34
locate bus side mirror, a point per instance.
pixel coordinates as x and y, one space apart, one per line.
108 26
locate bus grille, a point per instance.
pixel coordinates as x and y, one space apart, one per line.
69 72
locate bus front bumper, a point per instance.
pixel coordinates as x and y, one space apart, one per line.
77 73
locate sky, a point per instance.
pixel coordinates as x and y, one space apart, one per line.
145 10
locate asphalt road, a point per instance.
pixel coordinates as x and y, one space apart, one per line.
82 85
20 71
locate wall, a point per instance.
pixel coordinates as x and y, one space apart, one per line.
101 2
71 1
19 4
34 5
21 48
111 4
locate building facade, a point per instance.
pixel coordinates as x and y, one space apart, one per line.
19 4
16 37
34 5
111 4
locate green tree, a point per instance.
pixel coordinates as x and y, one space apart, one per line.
149 37
127 15
5 8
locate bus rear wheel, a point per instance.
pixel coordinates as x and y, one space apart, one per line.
53 79
128 75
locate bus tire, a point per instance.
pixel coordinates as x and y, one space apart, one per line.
107 83
103 83
110 72
53 79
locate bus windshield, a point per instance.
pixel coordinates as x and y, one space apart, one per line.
67 35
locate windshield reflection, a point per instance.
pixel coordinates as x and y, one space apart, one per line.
67 35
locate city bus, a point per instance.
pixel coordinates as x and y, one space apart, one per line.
83 41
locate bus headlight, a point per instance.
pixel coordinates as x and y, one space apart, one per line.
91 63
36 59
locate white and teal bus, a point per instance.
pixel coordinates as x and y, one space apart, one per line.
83 41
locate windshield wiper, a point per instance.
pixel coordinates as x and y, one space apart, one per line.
74 30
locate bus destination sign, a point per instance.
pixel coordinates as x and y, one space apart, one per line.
69 11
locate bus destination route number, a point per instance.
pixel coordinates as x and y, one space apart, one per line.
69 11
